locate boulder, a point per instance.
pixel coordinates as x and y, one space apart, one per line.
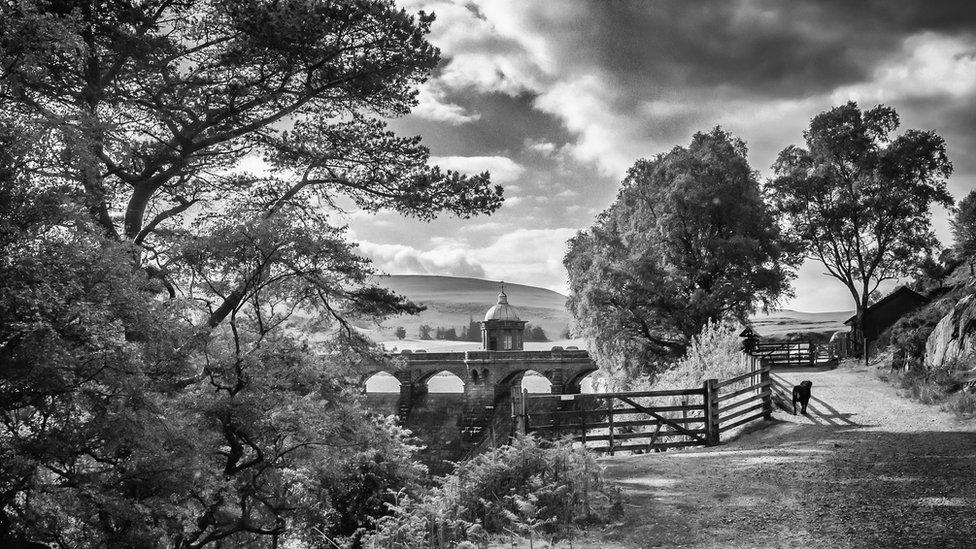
954 336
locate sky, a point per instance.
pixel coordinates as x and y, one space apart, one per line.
558 98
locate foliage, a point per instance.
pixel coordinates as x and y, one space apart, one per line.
153 390
688 239
933 271
528 487
474 330
964 229
449 334
945 386
425 331
911 332
714 353
534 333
859 199
401 332
114 438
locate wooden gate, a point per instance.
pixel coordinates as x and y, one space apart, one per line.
792 353
648 420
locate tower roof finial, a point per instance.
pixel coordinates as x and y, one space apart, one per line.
502 297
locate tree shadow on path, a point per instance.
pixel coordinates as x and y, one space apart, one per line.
819 412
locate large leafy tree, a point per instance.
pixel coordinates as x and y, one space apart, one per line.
860 198
688 239
155 384
964 229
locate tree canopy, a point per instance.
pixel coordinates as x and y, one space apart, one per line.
688 239
156 387
964 229
860 199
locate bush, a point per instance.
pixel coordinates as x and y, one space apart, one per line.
714 353
910 333
945 387
527 488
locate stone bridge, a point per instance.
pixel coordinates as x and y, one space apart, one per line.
489 376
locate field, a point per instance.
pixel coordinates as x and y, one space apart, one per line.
785 323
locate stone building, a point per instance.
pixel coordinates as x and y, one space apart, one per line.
502 330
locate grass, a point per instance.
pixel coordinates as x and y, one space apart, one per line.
944 387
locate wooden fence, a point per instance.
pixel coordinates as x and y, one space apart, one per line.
648 420
792 353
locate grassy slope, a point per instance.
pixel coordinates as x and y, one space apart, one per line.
785 322
451 301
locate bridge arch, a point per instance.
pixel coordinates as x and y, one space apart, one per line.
576 378
381 382
512 382
441 384
535 382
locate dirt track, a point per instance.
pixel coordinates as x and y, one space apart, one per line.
867 468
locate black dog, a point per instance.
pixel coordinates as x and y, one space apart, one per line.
801 394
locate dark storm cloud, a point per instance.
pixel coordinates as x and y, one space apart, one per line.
755 48
505 123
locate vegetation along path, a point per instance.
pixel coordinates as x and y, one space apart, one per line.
867 468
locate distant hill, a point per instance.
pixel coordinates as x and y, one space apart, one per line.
451 301
782 323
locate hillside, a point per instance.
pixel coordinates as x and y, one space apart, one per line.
451 301
783 323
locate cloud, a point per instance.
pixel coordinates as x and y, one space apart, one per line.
502 169
527 256
927 65
432 105
544 148
630 80
402 259
818 292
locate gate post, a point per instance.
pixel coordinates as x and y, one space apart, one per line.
767 386
710 393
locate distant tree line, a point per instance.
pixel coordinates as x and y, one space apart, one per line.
471 332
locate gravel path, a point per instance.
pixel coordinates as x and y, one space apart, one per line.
867 468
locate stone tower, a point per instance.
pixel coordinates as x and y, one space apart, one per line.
502 330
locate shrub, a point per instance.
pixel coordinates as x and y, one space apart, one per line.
527 488
714 353
942 386
910 333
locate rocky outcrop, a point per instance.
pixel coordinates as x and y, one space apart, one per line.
954 336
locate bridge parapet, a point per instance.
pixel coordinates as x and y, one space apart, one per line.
489 375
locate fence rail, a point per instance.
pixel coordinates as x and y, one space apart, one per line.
792 353
649 420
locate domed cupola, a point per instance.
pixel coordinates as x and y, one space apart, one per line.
502 330
502 310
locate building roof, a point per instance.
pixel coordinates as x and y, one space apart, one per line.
502 310
901 291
